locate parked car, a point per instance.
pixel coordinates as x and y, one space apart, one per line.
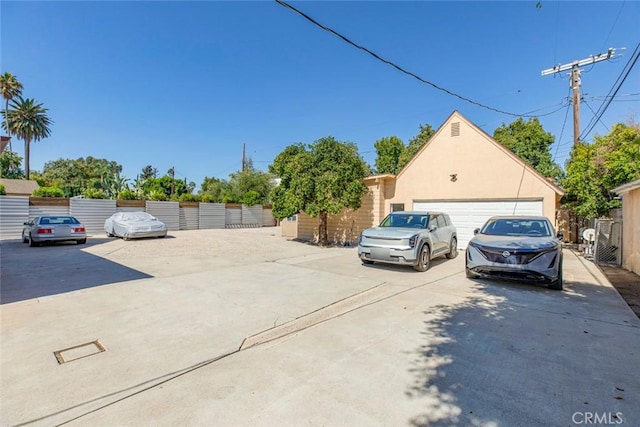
53 228
409 238
516 248
133 225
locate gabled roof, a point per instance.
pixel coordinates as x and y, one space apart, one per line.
455 114
629 186
20 187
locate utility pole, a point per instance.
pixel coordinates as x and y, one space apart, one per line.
575 82
244 160
172 171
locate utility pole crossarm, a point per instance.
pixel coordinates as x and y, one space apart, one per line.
575 82
610 54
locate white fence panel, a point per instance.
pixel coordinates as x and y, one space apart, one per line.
267 218
211 215
233 217
252 216
35 211
92 213
14 212
189 219
129 209
167 212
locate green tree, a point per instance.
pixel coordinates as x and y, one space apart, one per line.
388 152
10 88
415 144
319 179
28 121
149 172
10 163
593 170
258 183
213 189
171 188
529 141
74 176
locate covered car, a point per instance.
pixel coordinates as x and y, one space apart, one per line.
134 225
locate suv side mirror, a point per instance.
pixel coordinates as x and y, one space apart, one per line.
560 235
433 227
476 231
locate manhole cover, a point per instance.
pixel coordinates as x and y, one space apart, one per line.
78 352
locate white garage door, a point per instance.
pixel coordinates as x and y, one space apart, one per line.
467 216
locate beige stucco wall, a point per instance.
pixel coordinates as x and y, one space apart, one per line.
346 226
289 228
484 171
631 230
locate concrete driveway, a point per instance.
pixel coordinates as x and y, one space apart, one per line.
241 327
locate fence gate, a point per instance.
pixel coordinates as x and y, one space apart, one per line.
608 244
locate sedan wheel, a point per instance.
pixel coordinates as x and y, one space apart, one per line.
424 259
559 283
453 248
31 242
24 239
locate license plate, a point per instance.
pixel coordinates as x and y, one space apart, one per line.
380 253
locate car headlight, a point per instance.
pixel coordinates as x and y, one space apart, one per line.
413 240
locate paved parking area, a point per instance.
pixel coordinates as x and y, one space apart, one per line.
372 345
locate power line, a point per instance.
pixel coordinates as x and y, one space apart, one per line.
594 113
566 114
397 67
612 93
613 26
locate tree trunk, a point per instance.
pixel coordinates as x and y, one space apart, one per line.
6 120
322 229
27 171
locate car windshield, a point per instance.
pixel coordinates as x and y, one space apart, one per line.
405 220
137 216
517 227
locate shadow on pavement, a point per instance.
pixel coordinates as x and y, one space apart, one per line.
49 270
517 354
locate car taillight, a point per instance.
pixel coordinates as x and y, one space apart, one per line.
45 231
79 230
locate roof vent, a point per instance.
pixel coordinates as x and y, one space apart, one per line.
455 129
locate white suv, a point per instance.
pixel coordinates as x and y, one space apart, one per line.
409 238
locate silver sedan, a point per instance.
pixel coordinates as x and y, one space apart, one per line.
53 228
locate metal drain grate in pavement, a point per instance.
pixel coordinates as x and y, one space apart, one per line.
78 352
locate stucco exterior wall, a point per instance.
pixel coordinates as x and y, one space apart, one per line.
345 227
631 230
289 228
483 171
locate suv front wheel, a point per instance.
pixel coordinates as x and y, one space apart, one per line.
424 259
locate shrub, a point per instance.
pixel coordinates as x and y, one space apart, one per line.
188 197
251 198
128 195
206 198
48 192
2 192
158 196
93 193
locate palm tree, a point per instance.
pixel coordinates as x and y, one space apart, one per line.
10 88
29 122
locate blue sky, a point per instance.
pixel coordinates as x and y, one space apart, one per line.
185 84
